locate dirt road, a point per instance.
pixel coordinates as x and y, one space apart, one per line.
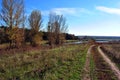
86 74
112 65
105 69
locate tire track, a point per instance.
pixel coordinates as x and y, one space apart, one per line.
102 70
112 65
86 73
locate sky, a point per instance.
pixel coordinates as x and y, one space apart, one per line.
84 17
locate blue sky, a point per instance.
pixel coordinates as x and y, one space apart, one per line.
84 17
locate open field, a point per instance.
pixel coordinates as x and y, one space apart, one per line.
65 62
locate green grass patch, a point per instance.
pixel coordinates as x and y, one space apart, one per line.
65 62
93 74
68 41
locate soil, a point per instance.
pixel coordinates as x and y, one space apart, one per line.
112 65
86 73
102 68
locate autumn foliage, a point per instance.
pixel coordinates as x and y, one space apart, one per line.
16 36
12 15
56 28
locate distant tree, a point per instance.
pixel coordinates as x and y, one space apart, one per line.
56 29
12 14
71 37
35 22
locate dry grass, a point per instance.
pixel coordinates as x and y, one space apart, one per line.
113 51
65 62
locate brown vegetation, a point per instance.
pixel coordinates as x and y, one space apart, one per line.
13 17
113 51
12 14
35 22
56 29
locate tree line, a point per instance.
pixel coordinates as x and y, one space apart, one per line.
44 35
12 15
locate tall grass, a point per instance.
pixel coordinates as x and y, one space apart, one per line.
113 51
93 73
65 62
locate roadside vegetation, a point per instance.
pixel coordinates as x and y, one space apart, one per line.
93 74
113 51
65 62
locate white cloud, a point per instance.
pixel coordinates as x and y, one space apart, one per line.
67 11
109 10
64 10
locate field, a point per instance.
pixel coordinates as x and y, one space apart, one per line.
61 63
66 62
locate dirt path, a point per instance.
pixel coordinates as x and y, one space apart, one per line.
110 63
102 70
86 74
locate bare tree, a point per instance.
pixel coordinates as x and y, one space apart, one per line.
56 28
12 13
35 22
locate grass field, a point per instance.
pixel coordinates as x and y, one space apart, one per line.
65 62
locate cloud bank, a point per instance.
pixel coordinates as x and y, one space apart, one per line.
109 10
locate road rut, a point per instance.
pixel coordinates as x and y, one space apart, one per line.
86 74
112 65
